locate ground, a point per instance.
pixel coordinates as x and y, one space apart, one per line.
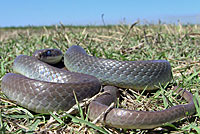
179 44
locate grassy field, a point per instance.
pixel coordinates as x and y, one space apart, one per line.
178 44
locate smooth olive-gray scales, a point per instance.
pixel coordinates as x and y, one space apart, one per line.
43 88
126 74
123 118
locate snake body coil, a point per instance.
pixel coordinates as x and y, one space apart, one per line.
43 88
126 74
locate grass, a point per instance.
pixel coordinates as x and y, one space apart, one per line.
179 44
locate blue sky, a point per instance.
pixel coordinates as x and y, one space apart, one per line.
88 12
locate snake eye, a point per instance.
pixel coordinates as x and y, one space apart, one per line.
48 53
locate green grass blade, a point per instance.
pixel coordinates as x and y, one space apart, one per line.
34 126
79 107
196 100
56 118
193 75
75 119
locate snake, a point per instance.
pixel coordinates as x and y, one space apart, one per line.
41 87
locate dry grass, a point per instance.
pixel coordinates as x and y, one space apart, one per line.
177 44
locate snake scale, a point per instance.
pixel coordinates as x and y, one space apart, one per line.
41 87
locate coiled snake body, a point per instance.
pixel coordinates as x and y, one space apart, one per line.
43 88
